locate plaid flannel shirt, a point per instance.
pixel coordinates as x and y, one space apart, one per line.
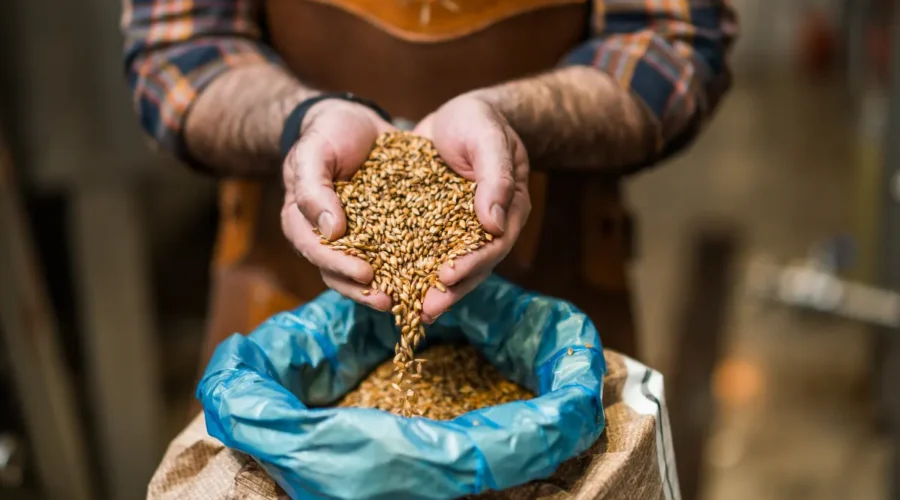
670 53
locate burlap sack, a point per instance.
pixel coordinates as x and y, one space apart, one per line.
632 460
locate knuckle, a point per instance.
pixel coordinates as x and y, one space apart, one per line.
506 175
526 204
303 251
285 223
505 184
305 199
289 174
495 139
292 161
494 133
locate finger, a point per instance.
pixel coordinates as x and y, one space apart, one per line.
313 167
487 257
424 127
437 302
493 155
300 233
357 293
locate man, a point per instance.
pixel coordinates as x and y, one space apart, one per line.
222 84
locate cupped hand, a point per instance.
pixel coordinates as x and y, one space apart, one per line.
336 138
478 143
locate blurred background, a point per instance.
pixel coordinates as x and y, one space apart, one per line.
785 376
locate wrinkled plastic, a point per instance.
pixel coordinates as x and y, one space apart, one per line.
259 394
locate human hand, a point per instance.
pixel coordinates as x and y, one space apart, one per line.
335 140
478 143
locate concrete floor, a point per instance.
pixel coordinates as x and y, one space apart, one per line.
795 422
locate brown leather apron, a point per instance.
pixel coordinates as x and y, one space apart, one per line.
577 240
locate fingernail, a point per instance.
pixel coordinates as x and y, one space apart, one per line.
499 216
326 224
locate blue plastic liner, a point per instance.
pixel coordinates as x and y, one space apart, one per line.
259 391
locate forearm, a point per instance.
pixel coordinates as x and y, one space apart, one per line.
576 118
234 126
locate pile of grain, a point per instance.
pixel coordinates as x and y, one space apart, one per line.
459 380
407 215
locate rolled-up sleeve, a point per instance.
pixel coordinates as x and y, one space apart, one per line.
174 48
671 54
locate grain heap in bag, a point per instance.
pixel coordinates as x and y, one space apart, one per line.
459 380
407 215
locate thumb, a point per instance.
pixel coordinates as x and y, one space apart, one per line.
424 127
492 161
313 166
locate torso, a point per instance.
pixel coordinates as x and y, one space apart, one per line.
576 242
382 49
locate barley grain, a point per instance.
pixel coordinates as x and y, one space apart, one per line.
459 380
407 214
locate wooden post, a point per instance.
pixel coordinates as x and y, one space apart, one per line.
889 268
113 290
41 379
699 342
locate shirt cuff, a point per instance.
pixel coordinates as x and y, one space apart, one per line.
166 83
661 78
